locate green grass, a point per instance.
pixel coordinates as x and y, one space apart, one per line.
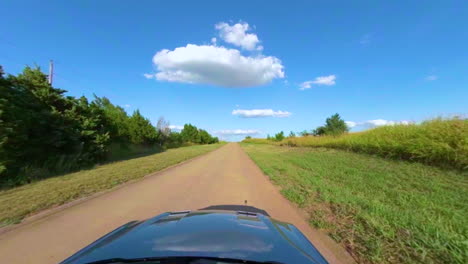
19 202
440 142
382 211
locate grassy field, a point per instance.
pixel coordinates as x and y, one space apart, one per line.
19 202
440 142
382 211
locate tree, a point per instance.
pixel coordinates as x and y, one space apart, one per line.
248 137
142 132
292 134
189 133
163 130
279 136
44 132
304 133
319 131
334 126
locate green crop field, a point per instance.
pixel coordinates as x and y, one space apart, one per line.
380 210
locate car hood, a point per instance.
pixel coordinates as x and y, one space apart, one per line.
205 233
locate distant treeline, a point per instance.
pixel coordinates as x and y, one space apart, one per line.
44 132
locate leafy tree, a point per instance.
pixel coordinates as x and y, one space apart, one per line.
190 133
279 136
141 130
268 137
292 134
319 131
248 137
334 126
304 133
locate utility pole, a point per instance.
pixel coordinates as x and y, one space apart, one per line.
51 72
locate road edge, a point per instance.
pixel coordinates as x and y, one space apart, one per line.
343 255
56 209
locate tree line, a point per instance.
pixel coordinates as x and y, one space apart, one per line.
45 132
334 126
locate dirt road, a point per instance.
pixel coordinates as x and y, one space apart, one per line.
224 176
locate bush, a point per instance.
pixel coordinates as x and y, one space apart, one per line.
279 136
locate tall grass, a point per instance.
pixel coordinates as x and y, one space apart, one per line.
440 142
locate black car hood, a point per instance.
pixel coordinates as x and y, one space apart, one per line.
218 234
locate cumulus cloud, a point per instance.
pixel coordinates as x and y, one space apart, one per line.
321 80
175 127
127 106
431 78
238 132
236 35
260 113
376 123
216 66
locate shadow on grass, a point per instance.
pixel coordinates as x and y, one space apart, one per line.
117 156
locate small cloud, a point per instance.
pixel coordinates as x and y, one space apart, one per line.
351 124
236 35
176 128
321 80
365 39
213 41
431 77
376 123
260 113
237 132
148 75
127 106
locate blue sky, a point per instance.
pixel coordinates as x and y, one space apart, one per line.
373 62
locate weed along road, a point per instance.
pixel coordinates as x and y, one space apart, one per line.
223 176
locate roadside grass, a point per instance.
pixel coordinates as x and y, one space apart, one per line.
440 142
16 203
381 211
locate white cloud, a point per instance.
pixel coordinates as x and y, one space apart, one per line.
351 124
236 35
431 78
127 106
377 122
175 127
321 80
237 132
260 113
148 75
213 40
215 65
